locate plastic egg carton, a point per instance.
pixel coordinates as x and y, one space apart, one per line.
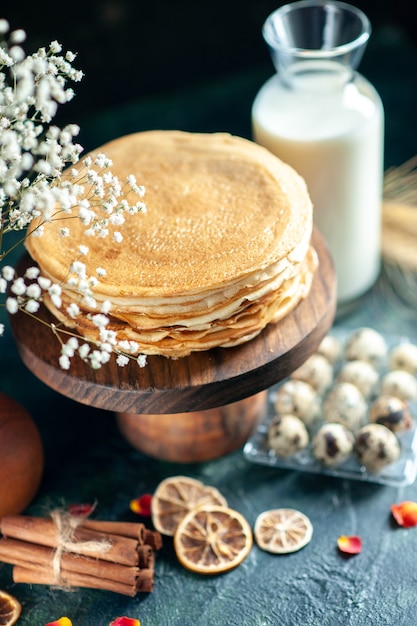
399 473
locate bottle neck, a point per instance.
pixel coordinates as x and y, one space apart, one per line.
315 75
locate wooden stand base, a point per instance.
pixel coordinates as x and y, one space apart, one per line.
195 436
169 409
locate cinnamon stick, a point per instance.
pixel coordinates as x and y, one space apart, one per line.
72 552
76 579
128 529
36 557
44 532
146 557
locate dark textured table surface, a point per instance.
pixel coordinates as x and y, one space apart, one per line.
88 460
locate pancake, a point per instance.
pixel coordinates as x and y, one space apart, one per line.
223 249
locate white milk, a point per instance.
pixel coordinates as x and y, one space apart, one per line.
333 136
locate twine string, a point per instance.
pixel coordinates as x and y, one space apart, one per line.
66 526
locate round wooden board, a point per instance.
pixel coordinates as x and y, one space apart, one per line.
203 380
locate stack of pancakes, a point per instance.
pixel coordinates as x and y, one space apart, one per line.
223 249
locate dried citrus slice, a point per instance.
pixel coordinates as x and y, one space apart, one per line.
282 530
10 609
175 497
212 539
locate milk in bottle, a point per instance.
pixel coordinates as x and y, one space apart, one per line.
326 120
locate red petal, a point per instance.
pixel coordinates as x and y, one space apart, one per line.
125 621
81 510
405 514
142 505
349 545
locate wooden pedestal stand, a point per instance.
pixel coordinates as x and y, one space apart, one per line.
199 407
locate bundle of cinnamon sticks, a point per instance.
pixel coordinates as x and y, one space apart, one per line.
66 551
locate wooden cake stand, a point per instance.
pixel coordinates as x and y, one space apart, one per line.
193 408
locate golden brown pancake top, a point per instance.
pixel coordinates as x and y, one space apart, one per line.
219 208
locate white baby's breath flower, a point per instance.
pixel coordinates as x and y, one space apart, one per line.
8 272
4 26
100 320
105 356
142 360
140 207
18 287
44 283
79 269
17 53
34 291
73 310
55 47
1 330
105 307
32 306
55 292
32 273
73 342
89 301
12 305
64 362
84 350
33 155
122 360
95 359
117 219
70 347
18 36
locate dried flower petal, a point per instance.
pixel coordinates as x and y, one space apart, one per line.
405 514
125 621
62 621
349 544
142 505
81 510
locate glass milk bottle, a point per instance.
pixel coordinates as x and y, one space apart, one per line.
326 120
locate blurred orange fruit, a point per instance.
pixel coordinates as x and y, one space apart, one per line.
22 458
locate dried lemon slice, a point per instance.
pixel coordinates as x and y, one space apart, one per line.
175 497
10 609
282 530
212 539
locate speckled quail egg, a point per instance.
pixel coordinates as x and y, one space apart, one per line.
287 435
399 383
332 444
316 371
366 344
391 412
403 356
361 374
296 397
345 405
331 348
376 447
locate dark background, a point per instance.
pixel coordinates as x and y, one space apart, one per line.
134 53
